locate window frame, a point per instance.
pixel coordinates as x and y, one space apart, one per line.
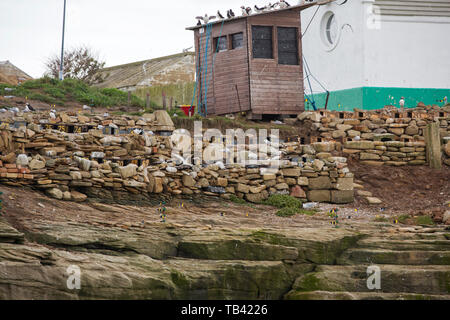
272 28
231 44
297 49
215 47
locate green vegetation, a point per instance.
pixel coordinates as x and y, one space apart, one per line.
284 201
182 93
240 201
424 220
289 206
53 91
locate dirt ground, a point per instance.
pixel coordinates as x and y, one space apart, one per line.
405 190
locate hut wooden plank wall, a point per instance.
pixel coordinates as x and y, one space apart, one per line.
258 67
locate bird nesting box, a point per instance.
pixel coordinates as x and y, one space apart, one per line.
251 64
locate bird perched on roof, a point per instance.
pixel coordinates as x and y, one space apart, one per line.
246 11
220 15
28 108
206 19
283 4
259 10
230 14
199 23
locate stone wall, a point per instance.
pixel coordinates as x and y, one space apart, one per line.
388 136
70 166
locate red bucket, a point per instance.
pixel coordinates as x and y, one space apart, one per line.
188 110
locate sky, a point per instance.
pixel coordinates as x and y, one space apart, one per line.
120 31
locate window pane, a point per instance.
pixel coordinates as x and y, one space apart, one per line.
287 46
220 44
237 40
262 42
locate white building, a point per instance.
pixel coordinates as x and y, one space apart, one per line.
371 53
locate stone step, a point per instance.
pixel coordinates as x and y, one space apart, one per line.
434 280
405 245
326 295
377 256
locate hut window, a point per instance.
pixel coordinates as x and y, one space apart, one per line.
237 40
220 44
287 46
262 42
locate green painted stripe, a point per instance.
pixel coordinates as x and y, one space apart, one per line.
371 98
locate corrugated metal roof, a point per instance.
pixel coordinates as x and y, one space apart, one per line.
130 75
413 7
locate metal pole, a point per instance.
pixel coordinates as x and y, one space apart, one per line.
61 75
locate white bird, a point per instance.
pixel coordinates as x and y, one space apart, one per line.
106 115
357 138
137 131
206 19
402 103
52 115
15 110
85 107
283 4
3 110
246 11
100 127
28 108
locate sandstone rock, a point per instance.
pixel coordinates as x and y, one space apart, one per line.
36 164
77 196
412 130
447 149
128 171
282 186
291 172
362 145
320 183
188 181
318 165
67 196
158 186
319 195
446 218
344 127
75 175
298 192
203 183
373 201
338 134
257 197
303 181
342 196
363 193
222 182
324 146
55 193
369 156
345 184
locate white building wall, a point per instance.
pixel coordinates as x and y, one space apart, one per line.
377 50
406 51
340 66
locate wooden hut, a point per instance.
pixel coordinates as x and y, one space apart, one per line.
251 64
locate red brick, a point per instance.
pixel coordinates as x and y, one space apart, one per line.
13 170
3 170
10 166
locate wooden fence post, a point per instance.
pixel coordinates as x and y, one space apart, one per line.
433 145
